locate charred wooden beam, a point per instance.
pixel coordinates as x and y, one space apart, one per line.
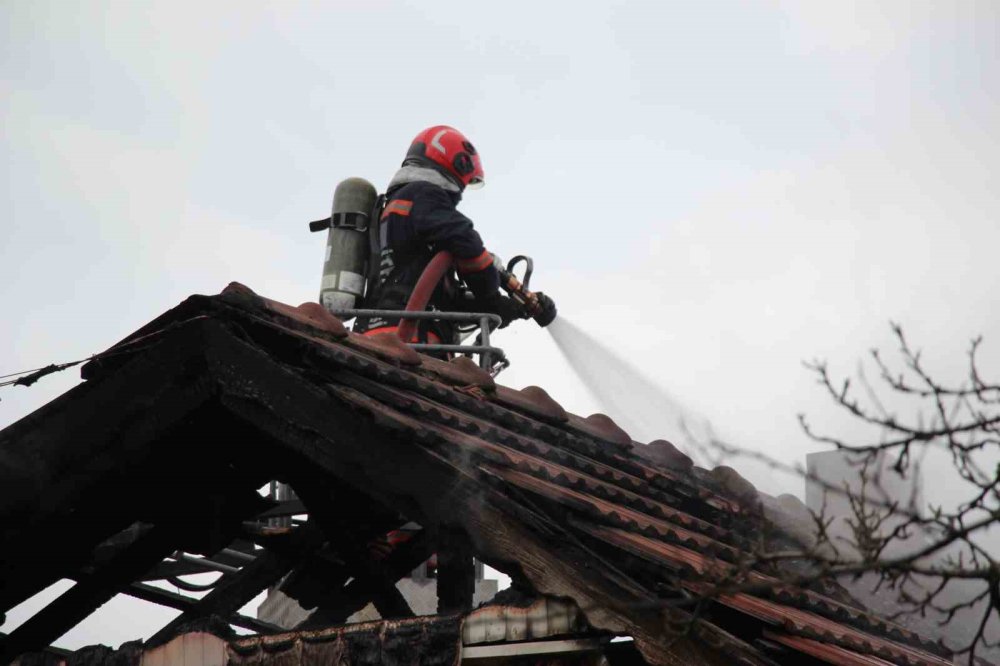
89 594
317 581
404 559
230 595
50 655
75 517
351 520
348 600
284 508
380 588
237 589
170 599
336 507
75 543
171 567
37 452
456 581
388 600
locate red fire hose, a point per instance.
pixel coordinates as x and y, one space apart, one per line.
421 294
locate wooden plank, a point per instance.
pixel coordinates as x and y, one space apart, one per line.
89 594
170 599
230 595
378 587
284 508
237 589
350 520
55 508
353 597
456 582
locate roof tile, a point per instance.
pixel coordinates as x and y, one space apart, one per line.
602 427
731 481
460 371
663 452
533 401
386 346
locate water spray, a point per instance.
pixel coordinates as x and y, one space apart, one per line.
639 404
536 305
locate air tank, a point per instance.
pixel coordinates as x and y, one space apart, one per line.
347 248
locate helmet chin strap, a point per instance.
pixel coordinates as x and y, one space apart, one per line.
423 162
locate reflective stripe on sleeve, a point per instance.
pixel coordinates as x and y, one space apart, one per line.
397 207
475 264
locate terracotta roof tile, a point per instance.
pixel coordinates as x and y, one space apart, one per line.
730 480
664 453
386 346
533 401
461 371
602 427
831 654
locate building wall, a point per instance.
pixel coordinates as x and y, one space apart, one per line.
841 469
835 476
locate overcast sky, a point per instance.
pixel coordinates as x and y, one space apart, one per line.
718 190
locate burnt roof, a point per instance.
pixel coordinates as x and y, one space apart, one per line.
223 393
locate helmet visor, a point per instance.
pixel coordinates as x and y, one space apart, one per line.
476 182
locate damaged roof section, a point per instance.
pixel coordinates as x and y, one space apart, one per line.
435 639
547 631
371 434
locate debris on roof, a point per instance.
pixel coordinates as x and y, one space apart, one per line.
241 390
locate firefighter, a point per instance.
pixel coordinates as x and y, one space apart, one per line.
420 219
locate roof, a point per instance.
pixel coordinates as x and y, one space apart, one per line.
226 392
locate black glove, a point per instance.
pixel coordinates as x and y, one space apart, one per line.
547 310
507 308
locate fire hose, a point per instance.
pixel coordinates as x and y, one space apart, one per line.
536 305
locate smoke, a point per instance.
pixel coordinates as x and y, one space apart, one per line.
637 403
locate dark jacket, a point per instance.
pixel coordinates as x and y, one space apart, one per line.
419 220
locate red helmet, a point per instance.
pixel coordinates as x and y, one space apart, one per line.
448 149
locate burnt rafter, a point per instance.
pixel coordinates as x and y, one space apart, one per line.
456 580
401 561
335 601
353 548
172 568
340 506
355 523
130 554
341 603
284 509
170 599
89 593
387 599
231 593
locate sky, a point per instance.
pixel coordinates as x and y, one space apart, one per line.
716 191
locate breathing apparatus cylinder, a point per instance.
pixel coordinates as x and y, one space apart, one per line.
347 247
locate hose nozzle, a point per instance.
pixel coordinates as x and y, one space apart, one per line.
536 305
546 311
